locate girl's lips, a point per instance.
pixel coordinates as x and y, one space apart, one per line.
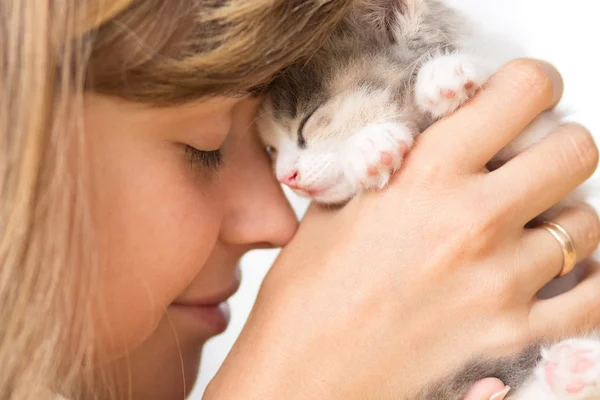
215 317
211 311
210 300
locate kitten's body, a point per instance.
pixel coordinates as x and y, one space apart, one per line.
341 122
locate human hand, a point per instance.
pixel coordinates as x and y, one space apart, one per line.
402 287
487 389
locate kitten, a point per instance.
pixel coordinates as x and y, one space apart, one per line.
342 121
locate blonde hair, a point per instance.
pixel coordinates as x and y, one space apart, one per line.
153 51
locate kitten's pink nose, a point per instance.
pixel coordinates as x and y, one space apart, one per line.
290 179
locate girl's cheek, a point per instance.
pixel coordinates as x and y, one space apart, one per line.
149 266
155 234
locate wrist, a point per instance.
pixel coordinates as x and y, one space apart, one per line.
245 376
274 358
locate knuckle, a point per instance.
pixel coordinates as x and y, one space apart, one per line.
519 337
581 152
490 213
589 229
588 314
592 318
531 78
428 173
479 234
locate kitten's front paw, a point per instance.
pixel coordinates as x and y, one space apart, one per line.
446 82
371 155
571 369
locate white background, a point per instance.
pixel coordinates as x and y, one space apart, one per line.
564 32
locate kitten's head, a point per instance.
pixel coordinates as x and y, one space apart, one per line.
308 135
305 152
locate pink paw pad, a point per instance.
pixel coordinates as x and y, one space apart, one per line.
402 148
574 388
549 372
448 93
582 366
386 159
573 368
373 153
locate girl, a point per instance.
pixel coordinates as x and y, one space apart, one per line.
131 183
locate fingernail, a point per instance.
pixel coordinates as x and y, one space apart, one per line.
501 394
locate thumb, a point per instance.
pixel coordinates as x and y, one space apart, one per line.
487 389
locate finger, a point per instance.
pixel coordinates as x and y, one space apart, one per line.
487 389
541 254
573 313
513 97
545 173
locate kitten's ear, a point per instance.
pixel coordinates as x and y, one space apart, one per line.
385 15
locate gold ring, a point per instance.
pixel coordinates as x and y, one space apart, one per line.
566 244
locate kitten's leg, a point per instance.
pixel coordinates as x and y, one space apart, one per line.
569 370
372 154
445 82
531 390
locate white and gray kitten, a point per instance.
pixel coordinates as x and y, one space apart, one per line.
342 121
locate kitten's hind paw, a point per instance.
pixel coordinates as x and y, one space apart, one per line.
444 83
371 155
571 369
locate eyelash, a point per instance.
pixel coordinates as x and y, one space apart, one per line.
211 160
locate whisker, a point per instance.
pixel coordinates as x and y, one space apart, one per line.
383 119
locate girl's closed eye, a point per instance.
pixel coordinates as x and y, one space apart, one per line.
212 160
